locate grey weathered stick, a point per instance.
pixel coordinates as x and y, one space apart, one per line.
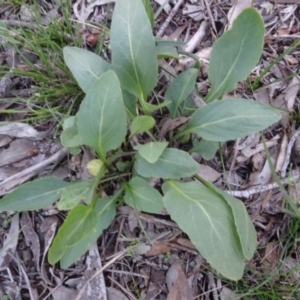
32 171
259 189
288 153
169 18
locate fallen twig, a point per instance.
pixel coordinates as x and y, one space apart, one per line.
288 153
98 272
32 171
169 18
259 189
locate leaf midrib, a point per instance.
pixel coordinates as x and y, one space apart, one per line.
198 204
230 70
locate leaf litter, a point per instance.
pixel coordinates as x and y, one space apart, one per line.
247 163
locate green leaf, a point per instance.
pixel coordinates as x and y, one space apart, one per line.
141 124
245 228
73 194
244 225
180 89
151 151
34 195
133 48
101 119
149 11
105 210
207 149
166 49
122 166
208 221
85 66
70 136
141 196
230 119
77 225
173 163
130 104
94 166
235 53
152 108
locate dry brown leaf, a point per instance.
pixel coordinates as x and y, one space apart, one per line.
176 34
48 228
258 161
272 256
114 294
31 238
208 173
187 62
153 290
177 283
171 124
262 177
282 31
10 242
186 243
157 249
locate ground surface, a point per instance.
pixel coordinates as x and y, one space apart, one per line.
36 89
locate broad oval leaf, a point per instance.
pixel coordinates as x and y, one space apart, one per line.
207 149
79 222
245 228
180 88
74 193
208 221
141 124
151 151
70 136
85 66
105 210
133 48
230 119
141 196
244 225
101 119
173 164
34 195
235 53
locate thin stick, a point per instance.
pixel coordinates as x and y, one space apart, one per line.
32 171
288 153
79 296
169 18
259 189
